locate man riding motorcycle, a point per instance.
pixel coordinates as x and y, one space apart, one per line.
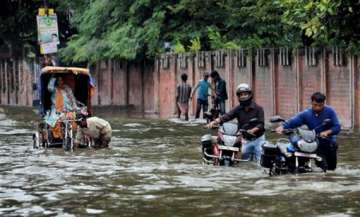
247 110
313 117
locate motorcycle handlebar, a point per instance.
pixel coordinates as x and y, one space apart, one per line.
289 131
241 131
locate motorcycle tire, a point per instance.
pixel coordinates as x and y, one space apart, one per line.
216 162
324 165
227 163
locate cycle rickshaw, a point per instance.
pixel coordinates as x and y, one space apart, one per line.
65 95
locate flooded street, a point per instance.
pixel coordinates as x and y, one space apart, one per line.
154 168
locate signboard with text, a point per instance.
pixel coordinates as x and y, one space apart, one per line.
48 33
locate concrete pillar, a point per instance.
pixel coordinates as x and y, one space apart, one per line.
135 87
311 76
104 83
119 83
287 97
167 86
264 80
156 81
340 88
242 70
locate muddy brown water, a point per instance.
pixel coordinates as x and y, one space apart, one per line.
153 168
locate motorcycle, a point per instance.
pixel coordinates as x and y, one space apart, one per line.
226 150
294 154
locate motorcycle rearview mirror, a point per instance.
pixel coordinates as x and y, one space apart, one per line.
276 119
326 121
253 120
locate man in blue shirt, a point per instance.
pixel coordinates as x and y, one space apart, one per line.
202 95
313 117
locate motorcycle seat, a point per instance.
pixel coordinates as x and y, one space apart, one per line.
229 148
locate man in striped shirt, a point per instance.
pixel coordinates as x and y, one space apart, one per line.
183 92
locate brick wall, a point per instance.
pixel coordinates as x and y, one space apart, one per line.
264 83
167 86
282 83
15 82
287 86
356 69
339 90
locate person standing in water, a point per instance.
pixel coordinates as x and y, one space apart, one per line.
183 92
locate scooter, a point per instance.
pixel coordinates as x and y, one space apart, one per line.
225 151
294 154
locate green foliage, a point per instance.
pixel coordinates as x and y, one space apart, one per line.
137 29
323 22
18 26
195 45
215 39
219 42
179 47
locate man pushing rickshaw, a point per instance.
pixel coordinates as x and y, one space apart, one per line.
65 97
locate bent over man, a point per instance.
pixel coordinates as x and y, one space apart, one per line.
95 129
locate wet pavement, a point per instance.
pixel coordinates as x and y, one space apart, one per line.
154 168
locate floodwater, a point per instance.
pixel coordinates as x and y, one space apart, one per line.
153 168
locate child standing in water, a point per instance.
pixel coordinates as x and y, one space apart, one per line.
183 92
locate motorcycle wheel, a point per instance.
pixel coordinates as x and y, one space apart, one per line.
216 162
227 163
323 165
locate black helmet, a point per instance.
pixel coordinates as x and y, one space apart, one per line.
241 88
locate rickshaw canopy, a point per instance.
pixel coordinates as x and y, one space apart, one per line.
78 79
58 69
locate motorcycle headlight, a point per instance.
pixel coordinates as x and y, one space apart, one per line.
308 147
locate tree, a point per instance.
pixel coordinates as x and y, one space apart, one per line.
324 22
18 30
138 29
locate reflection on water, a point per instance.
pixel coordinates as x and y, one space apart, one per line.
153 169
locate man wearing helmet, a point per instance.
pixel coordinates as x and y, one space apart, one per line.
246 112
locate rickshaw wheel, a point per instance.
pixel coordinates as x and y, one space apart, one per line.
36 140
67 144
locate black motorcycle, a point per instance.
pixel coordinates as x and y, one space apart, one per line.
294 154
225 151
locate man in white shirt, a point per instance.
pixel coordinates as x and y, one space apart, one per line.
95 129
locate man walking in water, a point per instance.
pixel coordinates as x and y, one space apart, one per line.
202 95
183 92
220 91
247 110
313 117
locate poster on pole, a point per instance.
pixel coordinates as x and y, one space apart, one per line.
47 29
48 48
